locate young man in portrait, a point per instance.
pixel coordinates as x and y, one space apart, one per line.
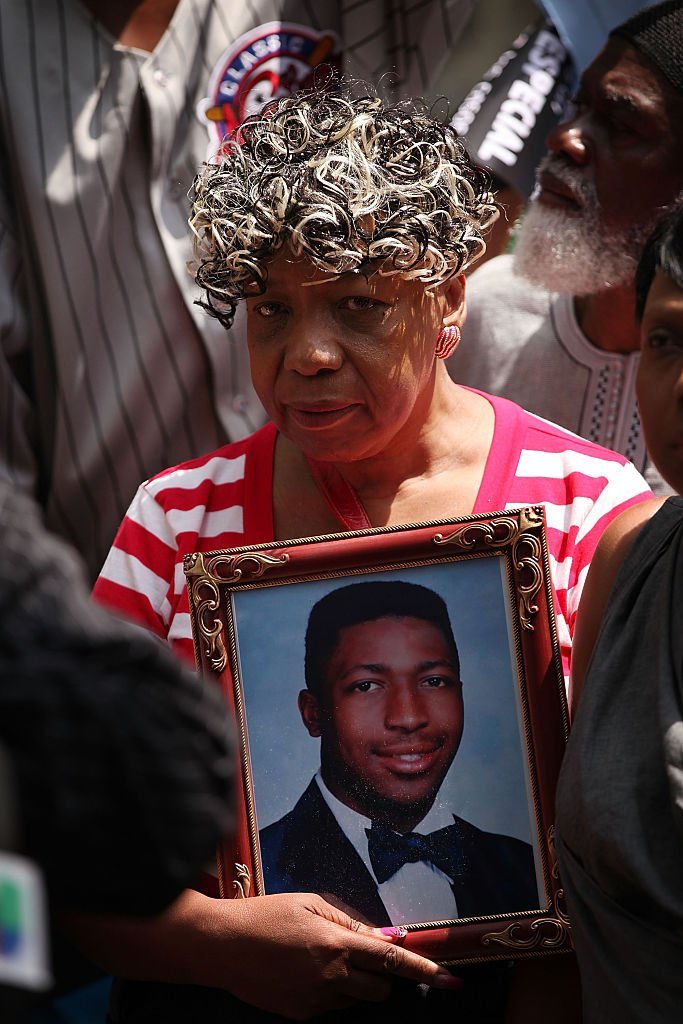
373 831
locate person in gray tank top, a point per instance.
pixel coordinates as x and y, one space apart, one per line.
620 795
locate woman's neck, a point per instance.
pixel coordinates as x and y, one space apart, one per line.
451 438
435 473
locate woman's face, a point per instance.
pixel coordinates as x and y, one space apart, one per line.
345 367
659 384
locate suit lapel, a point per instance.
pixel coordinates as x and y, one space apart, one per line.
498 873
321 859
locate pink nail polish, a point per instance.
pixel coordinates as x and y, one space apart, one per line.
397 932
447 981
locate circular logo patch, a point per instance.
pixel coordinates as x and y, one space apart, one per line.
273 60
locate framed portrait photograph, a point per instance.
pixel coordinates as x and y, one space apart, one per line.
401 713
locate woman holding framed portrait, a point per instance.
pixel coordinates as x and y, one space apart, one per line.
344 225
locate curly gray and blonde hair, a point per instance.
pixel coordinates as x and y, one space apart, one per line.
346 181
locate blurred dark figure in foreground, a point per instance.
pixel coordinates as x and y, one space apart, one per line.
116 760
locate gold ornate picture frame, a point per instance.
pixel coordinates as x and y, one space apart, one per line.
400 705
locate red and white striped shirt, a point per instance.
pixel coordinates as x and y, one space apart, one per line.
225 500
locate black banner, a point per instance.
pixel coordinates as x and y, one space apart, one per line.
506 117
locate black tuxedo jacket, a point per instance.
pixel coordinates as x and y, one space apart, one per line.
306 851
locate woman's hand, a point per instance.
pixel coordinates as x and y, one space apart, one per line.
292 954
297 955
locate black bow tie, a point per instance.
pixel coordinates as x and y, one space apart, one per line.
390 850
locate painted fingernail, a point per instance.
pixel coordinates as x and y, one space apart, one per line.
446 980
397 932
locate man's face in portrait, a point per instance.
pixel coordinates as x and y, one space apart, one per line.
389 714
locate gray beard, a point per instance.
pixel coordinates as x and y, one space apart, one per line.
572 251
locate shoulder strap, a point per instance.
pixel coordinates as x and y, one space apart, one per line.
340 496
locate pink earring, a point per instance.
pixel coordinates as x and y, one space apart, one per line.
447 341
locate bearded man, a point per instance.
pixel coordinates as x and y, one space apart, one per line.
552 326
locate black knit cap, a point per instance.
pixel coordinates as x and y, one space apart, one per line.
657 32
